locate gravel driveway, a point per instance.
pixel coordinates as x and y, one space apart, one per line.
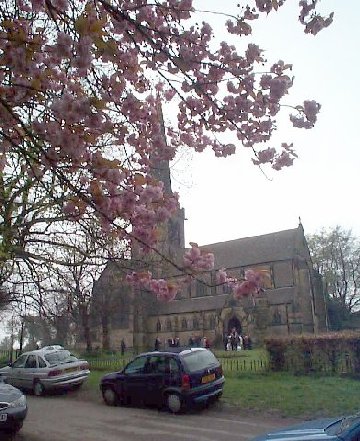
82 416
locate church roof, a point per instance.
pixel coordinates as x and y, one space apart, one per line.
271 247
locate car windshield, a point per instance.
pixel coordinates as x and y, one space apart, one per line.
348 422
343 424
197 360
60 357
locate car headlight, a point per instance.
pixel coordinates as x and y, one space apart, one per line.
19 402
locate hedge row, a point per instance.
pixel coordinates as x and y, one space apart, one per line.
332 352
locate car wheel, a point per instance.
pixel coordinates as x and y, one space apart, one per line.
17 427
109 396
38 388
173 403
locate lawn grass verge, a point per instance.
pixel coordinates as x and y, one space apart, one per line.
293 396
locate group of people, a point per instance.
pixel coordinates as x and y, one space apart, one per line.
198 342
236 342
175 342
232 342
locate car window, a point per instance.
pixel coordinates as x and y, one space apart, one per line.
31 362
20 362
61 356
162 364
157 364
174 366
136 366
198 360
41 362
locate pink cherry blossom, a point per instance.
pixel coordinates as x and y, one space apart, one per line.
197 259
84 89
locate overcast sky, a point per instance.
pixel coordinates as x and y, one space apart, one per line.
230 198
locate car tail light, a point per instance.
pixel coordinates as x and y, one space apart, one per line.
55 373
185 382
84 366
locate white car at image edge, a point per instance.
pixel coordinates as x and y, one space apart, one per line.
45 369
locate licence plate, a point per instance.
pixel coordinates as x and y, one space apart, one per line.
3 416
208 378
72 369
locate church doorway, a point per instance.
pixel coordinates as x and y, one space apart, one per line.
234 322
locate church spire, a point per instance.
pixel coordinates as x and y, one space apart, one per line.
174 235
161 167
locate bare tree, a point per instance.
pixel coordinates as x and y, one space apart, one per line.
336 255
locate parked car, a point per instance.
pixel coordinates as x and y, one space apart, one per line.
175 379
49 368
13 408
345 428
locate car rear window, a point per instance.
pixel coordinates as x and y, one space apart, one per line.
198 360
60 357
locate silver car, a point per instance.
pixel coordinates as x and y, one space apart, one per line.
49 368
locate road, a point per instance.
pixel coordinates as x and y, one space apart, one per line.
60 418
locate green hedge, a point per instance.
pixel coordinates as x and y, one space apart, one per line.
326 353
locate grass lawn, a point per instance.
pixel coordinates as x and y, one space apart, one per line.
282 394
295 396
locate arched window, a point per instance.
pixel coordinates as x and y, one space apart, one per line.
158 326
168 325
184 323
201 289
205 322
276 317
212 322
226 289
196 324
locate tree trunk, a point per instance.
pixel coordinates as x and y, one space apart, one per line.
86 328
105 331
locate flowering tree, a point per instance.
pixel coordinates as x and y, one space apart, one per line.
81 83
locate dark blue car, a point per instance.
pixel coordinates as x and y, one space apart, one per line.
326 429
175 379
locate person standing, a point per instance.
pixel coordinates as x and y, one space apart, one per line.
157 344
225 342
233 339
239 343
228 346
122 347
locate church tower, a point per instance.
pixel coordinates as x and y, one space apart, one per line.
173 234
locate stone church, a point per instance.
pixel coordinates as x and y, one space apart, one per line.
292 302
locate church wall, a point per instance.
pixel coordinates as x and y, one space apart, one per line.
280 295
183 326
290 303
283 274
276 312
319 301
304 299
